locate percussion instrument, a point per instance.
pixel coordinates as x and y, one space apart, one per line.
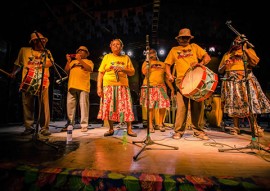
198 83
32 80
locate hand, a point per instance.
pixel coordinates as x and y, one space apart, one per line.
68 57
100 92
12 75
228 62
171 78
193 64
245 46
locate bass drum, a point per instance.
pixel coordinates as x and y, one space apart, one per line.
198 83
213 110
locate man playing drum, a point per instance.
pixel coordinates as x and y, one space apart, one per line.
31 60
184 57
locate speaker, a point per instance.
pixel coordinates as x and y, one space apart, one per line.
58 106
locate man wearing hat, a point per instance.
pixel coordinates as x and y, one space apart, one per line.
31 60
183 57
79 69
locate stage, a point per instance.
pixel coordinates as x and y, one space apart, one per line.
92 158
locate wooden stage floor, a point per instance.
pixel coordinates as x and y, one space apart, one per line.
92 150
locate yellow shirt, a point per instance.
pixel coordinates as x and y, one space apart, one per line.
79 78
182 57
157 73
237 61
29 58
109 78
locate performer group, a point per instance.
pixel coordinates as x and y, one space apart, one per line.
241 94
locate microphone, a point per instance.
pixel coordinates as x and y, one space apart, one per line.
116 73
61 80
117 77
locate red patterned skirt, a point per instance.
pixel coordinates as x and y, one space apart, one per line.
158 97
116 104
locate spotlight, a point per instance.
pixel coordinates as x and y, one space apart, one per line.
212 49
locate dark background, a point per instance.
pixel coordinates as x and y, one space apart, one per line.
94 23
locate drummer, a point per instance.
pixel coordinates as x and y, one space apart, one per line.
34 58
183 57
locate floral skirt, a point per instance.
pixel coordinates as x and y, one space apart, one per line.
158 97
235 98
116 104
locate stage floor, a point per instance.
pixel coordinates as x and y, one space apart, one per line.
161 154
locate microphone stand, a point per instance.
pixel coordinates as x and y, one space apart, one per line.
148 140
35 136
254 143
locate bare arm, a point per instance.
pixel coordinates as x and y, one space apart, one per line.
205 60
168 72
100 84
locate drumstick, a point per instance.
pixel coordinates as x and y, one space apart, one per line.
8 74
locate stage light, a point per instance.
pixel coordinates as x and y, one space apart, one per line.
212 49
161 52
129 53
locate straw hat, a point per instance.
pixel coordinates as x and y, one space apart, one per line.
184 32
34 36
83 48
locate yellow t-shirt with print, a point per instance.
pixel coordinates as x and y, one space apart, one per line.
236 58
79 78
157 73
29 58
182 57
110 60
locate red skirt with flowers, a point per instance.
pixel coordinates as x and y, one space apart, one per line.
158 97
116 104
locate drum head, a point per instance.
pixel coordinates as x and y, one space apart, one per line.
192 80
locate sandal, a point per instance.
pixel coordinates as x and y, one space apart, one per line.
235 131
151 130
177 135
109 133
259 131
132 134
162 129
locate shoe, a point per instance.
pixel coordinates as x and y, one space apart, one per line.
28 131
64 129
109 133
84 129
45 132
132 134
201 135
235 131
177 135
